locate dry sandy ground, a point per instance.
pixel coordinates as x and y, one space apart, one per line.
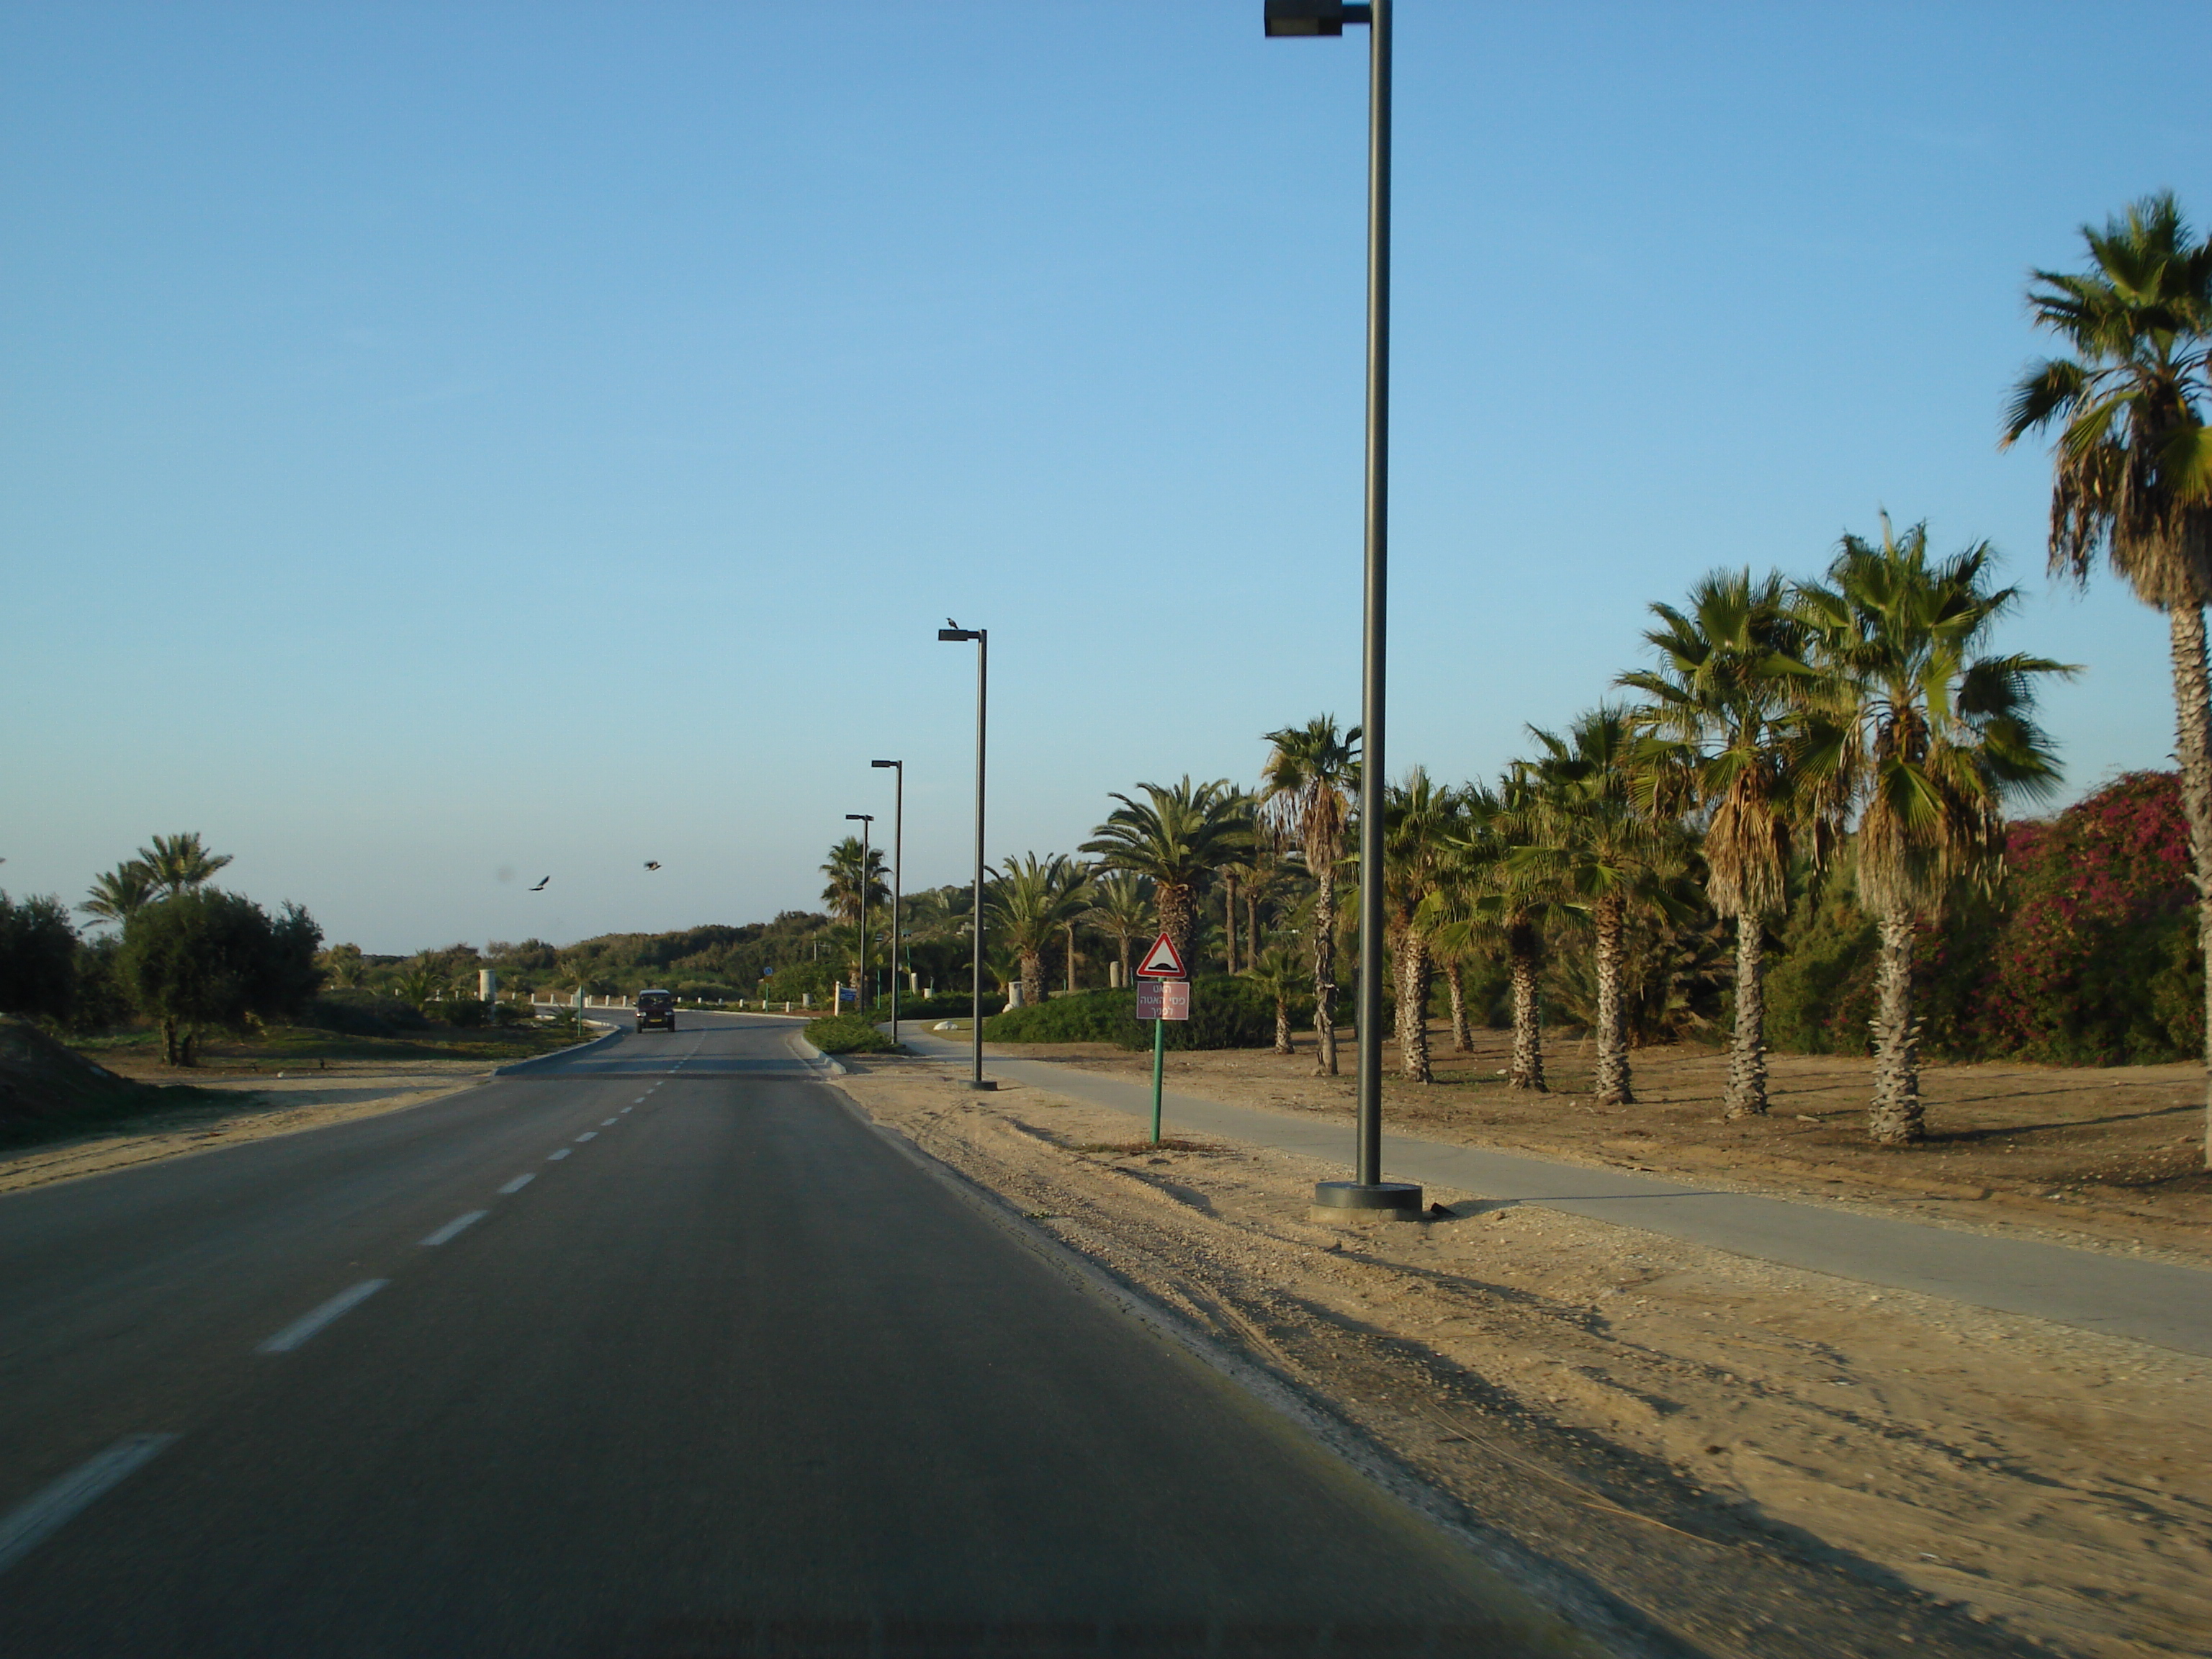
1754 1460
271 1102
2113 1159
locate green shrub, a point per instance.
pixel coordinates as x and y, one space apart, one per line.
464 1013
1225 1013
846 1034
945 1005
354 1012
37 957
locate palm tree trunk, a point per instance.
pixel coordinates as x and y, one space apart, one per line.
1527 1070
1126 980
1747 1079
1283 1026
1455 981
1032 978
1895 1120
1228 920
1612 1086
2192 705
1412 974
1071 958
1251 925
1178 918
1324 966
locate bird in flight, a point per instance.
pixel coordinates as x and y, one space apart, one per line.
541 884
652 864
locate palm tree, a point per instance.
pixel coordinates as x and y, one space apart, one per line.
1606 854
1308 785
844 895
1930 739
1121 908
1033 900
121 892
1419 827
1176 837
1485 894
176 864
419 984
1719 736
2131 472
1278 974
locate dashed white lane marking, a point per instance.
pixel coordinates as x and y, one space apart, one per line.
640 1101
459 1224
307 1324
588 1134
625 1111
24 1528
516 1185
607 1122
554 1157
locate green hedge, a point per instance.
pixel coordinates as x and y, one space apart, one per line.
846 1034
1225 1013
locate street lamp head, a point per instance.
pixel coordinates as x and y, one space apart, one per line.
882 763
959 634
861 817
1293 18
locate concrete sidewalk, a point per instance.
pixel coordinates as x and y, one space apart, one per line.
2150 1301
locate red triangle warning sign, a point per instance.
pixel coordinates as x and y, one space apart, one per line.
1162 961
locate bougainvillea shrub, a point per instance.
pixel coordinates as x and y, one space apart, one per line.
2086 955
2097 963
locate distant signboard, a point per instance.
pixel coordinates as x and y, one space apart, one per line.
1163 999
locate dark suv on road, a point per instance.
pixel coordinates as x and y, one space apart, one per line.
656 1008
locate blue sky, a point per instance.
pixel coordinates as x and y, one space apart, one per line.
446 445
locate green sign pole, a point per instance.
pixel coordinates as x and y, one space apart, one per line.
1160 1049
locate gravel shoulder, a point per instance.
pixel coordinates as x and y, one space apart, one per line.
1764 1460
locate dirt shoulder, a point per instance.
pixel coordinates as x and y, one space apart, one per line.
244 1106
2111 1159
1761 1460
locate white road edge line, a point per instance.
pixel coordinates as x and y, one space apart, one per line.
516 1185
588 1134
28 1526
452 1229
554 1157
307 1324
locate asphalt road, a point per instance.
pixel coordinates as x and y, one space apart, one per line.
653 1350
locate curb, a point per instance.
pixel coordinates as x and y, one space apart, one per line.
609 1036
808 1052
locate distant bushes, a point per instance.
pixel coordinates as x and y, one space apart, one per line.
1225 1013
360 1014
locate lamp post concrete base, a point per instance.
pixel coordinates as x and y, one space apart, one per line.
1365 1201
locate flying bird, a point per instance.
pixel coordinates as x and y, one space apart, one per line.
541 884
652 864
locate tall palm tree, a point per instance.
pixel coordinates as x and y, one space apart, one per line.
1718 734
120 893
1307 789
2131 471
1278 975
1030 904
1121 908
1176 837
844 893
1419 827
1606 854
177 864
1929 738
1487 893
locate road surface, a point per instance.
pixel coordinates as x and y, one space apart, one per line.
654 1349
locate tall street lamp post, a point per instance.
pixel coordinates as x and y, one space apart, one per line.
898 865
1368 1191
860 980
953 633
